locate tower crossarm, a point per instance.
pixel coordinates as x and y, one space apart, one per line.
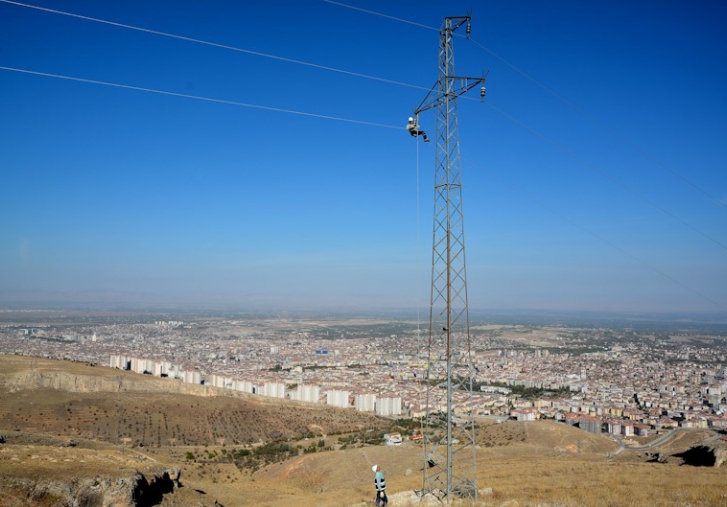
458 86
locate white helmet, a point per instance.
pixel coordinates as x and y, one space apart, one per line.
411 119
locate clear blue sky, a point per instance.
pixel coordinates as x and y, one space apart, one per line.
594 176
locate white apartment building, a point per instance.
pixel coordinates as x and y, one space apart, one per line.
307 393
338 398
273 390
365 402
388 406
243 385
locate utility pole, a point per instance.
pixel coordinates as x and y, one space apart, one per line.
450 468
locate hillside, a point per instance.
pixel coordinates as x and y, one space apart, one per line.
45 471
81 401
107 437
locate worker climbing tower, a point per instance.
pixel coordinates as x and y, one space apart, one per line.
449 470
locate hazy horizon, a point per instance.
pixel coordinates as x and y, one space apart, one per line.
232 155
117 305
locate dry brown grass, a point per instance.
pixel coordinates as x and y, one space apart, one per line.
592 481
48 460
514 472
154 418
540 463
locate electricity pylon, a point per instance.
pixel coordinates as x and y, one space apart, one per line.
450 468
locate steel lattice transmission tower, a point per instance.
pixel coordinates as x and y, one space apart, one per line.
449 470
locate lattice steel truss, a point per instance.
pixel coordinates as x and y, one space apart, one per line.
450 469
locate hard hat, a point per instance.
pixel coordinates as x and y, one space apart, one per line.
411 119
373 468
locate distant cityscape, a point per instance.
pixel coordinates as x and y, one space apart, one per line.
626 381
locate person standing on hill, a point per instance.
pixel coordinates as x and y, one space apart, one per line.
380 483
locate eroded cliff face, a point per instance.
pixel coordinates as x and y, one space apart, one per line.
41 470
704 455
720 456
133 490
109 383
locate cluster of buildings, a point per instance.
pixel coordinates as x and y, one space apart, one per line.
620 392
630 387
366 402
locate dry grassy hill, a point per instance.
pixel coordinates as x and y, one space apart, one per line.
543 437
42 471
137 428
76 400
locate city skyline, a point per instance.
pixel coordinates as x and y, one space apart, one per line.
276 172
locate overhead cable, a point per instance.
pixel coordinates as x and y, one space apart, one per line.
332 69
197 97
559 97
384 16
213 44
604 127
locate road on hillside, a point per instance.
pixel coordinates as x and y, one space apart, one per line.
656 443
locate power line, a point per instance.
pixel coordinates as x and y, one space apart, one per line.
213 44
300 62
593 234
197 97
559 97
584 162
560 147
341 71
401 20
603 126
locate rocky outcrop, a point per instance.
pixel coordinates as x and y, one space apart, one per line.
135 490
123 382
656 457
720 455
704 455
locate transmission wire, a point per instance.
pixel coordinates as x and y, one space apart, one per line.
604 127
197 97
558 96
213 44
384 15
332 69
593 167
300 62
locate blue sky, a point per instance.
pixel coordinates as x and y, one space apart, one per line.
594 176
